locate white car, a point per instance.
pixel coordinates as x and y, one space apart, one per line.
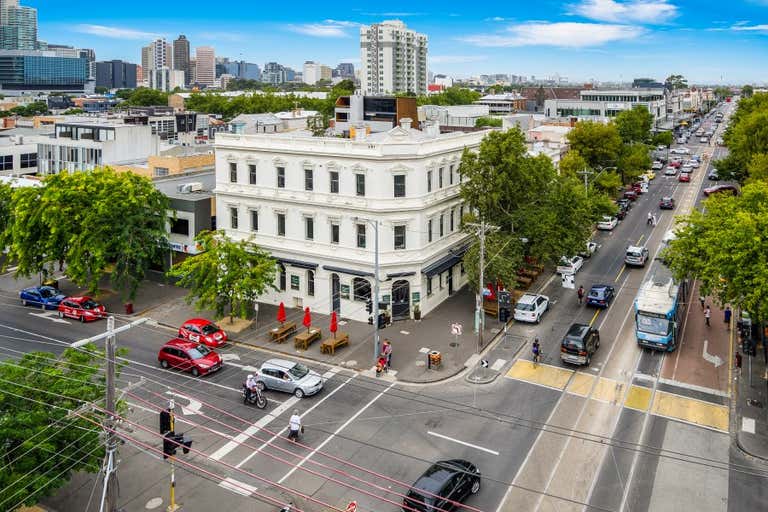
670 171
694 163
680 151
531 307
570 265
607 223
590 249
657 166
703 140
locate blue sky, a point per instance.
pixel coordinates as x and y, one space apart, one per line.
608 40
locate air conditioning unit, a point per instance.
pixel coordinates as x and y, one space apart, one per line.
186 188
195 186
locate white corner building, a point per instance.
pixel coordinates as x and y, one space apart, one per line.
393 58
312 202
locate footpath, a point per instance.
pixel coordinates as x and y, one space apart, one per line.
751 399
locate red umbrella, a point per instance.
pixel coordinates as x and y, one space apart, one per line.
334 324
281 313
307 318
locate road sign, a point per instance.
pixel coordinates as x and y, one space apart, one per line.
484 363
456 329
352 507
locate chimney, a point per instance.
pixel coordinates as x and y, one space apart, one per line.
405 123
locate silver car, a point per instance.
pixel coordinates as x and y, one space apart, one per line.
290 377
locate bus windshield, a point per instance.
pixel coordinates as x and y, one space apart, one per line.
653 325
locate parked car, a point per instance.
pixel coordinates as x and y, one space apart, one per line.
638 187
203 331
579 344
630 194
684 177
607 223
650 174
46 297
636 255
570 265
442 485
670 171
600 295
189 356
290 377
625 202
713 175
622 210
733 189
590 249
703 140
657 165
531 307
82 308
667 203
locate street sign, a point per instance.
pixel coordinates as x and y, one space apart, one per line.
487 292
456 329
352 507
484 363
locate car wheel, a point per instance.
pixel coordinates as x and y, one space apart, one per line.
475 487
298 393
589 359
82 319
164 364
61 315
195 372
24 302
261 386
538 319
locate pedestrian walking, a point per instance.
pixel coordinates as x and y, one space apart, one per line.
701 299
294 426
386 350
707 314
650 219
738 362
727 315
580 293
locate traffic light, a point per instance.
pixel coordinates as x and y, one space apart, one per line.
172 441
505 300
503 315
185 442
369 306
166 422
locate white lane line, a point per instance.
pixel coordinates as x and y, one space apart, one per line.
328 439
441 436
282 431
237 486
263 422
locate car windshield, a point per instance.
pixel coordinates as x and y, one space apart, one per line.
524 307
199 352
47 293
299 371
653 324
90 304
210 329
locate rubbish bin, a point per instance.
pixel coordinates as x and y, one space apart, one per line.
129 308
434 359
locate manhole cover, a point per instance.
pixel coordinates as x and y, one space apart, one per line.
453 344
154 503
754 403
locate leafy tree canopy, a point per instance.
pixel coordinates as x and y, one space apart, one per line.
227 275
747 91
598 143
145 97
451 96
662 139
494 122
722 92
634 125
676 82
746 137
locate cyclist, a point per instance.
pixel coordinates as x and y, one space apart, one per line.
250 383
536 349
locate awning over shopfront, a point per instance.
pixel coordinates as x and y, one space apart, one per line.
349 271
448 261
297 264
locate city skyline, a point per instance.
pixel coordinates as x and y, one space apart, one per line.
605 40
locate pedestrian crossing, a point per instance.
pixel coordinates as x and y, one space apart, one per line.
632 396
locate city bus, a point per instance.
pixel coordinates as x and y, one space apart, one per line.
660 308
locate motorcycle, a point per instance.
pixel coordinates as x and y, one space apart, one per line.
256 397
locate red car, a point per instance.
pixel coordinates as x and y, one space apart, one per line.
684 177
630 194
638 188
676 164
189 356
204 331
83 308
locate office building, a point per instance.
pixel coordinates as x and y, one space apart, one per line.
18 26
116 74
158 54
241 69
598 104
344 70
181 57
166 79
205 59
273 73
43 71
314 72
393 58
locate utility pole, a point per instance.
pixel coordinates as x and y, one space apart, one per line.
482 228
376 341
586 174
109 496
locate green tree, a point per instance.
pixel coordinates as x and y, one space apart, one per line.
634 125
747 91
43 444
662 139
93 222
634 161
494 122
226 276
101 90
725 248
451 96
145 97
746 136
598 143
73 111
676 82
757 168
722 92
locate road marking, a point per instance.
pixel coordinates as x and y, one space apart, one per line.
638 398
691 410
237 486
541 374
263 422
694 387
581 384
193 407
282 431
748 425
498 364
639 240
715 360
178 420
470 445
50 315
594 317
328 439
621 271
244 367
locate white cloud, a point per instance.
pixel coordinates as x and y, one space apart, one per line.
750 28
498 18
637 11
393 14
456 59
115 32
328 28
568 35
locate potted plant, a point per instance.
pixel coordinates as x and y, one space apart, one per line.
416 312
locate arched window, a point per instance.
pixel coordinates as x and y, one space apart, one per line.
361 289
311 283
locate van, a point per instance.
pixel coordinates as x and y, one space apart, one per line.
636 256
579 344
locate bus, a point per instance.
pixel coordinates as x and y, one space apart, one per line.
660 308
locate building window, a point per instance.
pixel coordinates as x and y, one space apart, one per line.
334 232
282 276
399 185
450 175
159 172
180 226
311 283
280 224
361 289
309 179
442 222
6 163
251 174
361 236
254 220
461 216
440 178
232 172
429 230
233 220
429 181
295 282
28 160
399 237
429 287
281 177
334 182
360 184
451 221
309 228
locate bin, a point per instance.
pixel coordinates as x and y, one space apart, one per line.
434 360
129 308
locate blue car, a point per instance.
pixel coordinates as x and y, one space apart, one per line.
600 295
46 296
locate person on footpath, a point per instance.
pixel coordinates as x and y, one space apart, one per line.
701 299
707 314
386 351
294 426
727 316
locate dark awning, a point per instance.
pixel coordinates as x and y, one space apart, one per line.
448 261
400 274
298 264
347 271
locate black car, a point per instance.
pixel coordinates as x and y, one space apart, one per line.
622 210
580 344
443 486
626 203
667 203
600 295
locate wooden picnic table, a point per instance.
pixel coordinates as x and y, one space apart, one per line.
304 339
330 345
525 282
280 334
